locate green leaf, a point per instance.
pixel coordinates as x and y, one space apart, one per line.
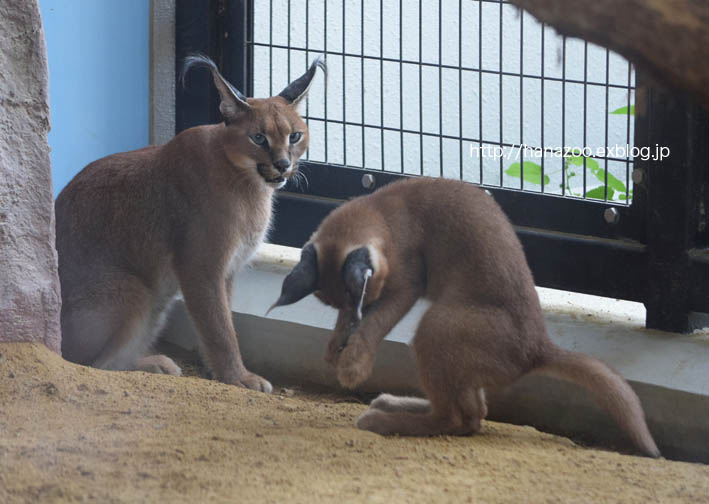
532 172
624 110
575 160
600 193
613 183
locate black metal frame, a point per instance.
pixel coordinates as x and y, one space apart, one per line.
651 252
214 28
674 203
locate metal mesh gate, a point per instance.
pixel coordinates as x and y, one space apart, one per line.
475 90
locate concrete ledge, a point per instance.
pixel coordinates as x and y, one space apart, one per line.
667 371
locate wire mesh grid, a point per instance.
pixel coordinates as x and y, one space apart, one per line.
471 89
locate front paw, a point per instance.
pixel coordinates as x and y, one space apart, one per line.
334 350
355 364
253 381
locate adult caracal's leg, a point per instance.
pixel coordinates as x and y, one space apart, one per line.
206 299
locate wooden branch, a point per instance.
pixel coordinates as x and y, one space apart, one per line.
668 39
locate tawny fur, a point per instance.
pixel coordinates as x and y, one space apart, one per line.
137 228
449 242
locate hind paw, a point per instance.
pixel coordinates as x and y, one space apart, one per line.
158 364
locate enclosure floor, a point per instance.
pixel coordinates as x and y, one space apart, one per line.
70 433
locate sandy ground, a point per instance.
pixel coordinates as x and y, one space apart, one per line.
71 434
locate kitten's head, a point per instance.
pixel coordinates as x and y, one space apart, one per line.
266 136
343 264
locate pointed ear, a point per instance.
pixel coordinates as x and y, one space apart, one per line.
301 281
296 90
356 271
233 102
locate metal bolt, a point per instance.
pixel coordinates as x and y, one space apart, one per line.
638 176
611 215
368 181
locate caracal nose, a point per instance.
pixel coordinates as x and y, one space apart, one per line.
282 165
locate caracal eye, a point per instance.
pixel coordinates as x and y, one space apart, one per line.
295 137
258 139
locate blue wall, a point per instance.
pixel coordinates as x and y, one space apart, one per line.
98 80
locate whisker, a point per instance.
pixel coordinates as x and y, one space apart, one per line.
299 180
302 177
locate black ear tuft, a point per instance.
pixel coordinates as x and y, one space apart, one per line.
356 271
296 90
232 100
302 280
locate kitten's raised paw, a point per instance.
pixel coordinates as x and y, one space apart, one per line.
333 351
354 366
159 364
254 382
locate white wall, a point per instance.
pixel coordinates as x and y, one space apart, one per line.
382 84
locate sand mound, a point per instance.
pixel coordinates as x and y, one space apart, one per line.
70 433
